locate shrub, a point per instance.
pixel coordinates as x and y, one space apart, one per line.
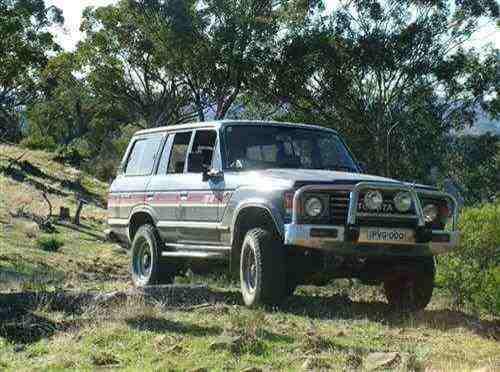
472 273
49 244
37 141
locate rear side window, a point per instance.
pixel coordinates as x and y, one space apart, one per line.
142 157
179 152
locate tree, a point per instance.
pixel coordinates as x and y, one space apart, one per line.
69 111
372 66
25 46
219 49
122 65
474 162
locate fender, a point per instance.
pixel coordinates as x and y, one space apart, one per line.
143 209
262 204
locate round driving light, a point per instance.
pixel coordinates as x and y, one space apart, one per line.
373 200
430 213
402 201
313 207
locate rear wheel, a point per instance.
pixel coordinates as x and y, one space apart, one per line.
146 264
409 286
262 269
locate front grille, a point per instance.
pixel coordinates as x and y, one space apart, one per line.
339 207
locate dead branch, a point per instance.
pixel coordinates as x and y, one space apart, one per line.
44 195
81 203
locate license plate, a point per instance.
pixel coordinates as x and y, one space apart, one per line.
381 235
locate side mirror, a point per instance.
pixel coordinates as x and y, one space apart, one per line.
212 174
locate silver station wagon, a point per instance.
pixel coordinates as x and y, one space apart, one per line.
283 204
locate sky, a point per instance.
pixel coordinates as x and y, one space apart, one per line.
69 35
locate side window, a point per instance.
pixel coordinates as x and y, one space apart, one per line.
165 154
202 151
142 156
179 152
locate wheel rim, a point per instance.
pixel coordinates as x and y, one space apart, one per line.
249 269
143 261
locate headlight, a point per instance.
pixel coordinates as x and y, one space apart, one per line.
430 213
313 207
402 201
373 200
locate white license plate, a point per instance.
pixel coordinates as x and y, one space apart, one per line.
382 235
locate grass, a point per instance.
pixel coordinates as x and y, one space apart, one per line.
334 327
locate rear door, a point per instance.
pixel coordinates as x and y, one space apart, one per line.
167 186
137 170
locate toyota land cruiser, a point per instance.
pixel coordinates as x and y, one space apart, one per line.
283 204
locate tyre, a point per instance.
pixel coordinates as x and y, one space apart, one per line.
146 264
409 286
262 269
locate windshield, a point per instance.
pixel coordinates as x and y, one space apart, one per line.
251 147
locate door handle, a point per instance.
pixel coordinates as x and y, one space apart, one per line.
184 196
150 196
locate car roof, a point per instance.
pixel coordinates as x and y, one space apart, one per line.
223 123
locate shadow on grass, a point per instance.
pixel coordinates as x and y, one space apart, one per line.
24 169
23 326
82 229
162 325
341 307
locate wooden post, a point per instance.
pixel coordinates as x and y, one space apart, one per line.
64 214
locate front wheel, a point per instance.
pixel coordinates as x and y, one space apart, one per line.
146 264
409 285
262 269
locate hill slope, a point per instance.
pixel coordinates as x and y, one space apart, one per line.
43 326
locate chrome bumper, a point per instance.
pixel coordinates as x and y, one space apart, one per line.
339 239
335 241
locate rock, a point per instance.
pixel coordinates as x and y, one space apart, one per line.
31 229
19 348
308 364
159 340
226 342
107 298
380 360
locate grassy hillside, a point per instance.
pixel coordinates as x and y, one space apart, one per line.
74 309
